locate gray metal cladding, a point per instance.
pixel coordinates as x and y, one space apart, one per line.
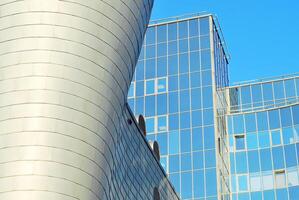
65 70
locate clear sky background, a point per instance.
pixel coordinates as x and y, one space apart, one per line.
262 36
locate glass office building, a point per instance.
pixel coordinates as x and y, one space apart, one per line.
178 87
263 126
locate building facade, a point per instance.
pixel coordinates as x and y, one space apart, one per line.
66 131
177 86
263 127
217 141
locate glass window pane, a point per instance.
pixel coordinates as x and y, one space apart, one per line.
186 162
255 182
150 86
240 142
252 142
151 51
205 42
198 160
280 179
150 106
287 134
250 123
198 183
162 141
238 124
172 31
183 45
151 35
174 142
162 124
173 102
131 90
173 83
197 118
197 140
150 68
162 67
205 59
196 99
172 65
194 44
207 96
278 158
193 28
276 137
246 97
162 33
185 141
162 85
266 160
184 63
194 61
184 81
279 91
296 114
210 158
257 95
274 119
195 79
174 163
264 140
185 120
267 181
186 185
211 182
268 94
175 180
241 162
285 117
184 100
290 88
209 137
262 121
183 29
290 155
207 78
253 161
150 125
139 88
173 122
140 70
204 26
242 183
139 106
293 178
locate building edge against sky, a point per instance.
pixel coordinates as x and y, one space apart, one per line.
156 85
66 131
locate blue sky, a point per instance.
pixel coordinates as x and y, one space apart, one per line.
262 35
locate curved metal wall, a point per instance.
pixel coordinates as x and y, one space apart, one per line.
65 69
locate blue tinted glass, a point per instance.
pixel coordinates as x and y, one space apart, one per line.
278 159
287 134
198 160
274 119
172 31
297 86
250 123
285 117
257 95
210 158
140 70
290 155
196 98
208 117
131 90
204 26
196 118
173 83
161 104
184 63
185 120
194 61
185 141
230 124
151 35
205 42
207 97
161 33
139 105
193 28
253 161
195 79
276 137
184 100
268 93
269 194
162 140
139 88
150 68
150 105
183 29
290 88
174 142
131 103
279 90
240 142
198 178
150 51
174 163
173 102
209 137
150 125
264 140
238 124
162 123
242 182
207 78
186 185
266 161
205 59
246 97
172 47
184 81
173 122
173 65
194 44
232 163
162 67
197 140
296 113
162 85
243 196
281 194
164 163
252 141
262 122
183 45
150 86
175 180
256 196
241 162
186 162
211 183
294 193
